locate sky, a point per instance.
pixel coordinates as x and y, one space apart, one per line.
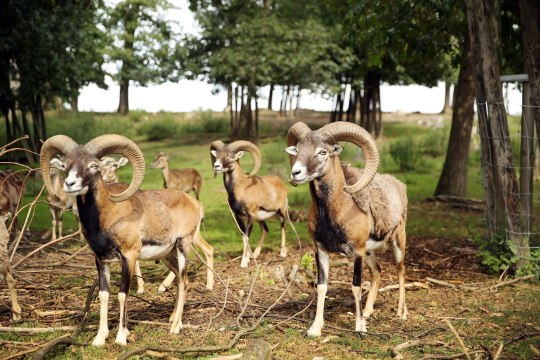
194 95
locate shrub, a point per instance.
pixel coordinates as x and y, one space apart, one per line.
83 127
159 129
405 153
497 256
434 144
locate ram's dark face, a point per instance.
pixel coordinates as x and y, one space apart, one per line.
225 160
311 158
81 170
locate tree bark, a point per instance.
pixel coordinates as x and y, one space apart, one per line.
229 97
270 97
494 127
123 106
453 180
529 11
447 107
74 102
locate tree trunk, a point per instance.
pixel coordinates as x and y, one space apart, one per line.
529 11
74 102
297 109
446 107
453 180
270 97
123 107
494 129
229 97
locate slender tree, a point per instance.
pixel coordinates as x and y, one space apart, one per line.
143 47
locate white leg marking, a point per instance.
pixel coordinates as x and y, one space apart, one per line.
245 255
283 251
360 323
103 331
166 283
140 281
316 328
123 332
323 266
181 295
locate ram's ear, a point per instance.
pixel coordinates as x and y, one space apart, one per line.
214 153
122 161
57 164
292 150
336 150
238 155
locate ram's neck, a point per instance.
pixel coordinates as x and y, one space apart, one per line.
166 173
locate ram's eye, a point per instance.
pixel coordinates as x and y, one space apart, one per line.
322 152
94 166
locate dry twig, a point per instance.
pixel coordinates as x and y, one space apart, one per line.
460 341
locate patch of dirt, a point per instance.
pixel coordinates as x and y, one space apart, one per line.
46 282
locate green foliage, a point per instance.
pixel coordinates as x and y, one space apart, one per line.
435 143
307 262
498 256
83 127
406 153
159 129
209 123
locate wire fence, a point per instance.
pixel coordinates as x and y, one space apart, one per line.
522 220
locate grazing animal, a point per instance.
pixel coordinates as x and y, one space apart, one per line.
185 179
122 223
5 269
254 198
109 168
357 220
59 202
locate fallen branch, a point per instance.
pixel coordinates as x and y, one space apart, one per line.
37 330
450 285
460 341
410 286
66 340
509 282
449 357
44 246
243 332
395 351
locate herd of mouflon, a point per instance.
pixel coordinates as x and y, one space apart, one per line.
355 212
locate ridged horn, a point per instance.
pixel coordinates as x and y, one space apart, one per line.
118 144
345 131
58 144
252 149
296 133
215 145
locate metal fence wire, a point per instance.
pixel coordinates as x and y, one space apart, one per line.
523 223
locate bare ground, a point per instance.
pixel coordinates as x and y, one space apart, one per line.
483 318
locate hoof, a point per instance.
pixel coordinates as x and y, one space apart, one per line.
244 263
99 340
256 253
361 326
141 291
283 253
368 313
314 332
161 289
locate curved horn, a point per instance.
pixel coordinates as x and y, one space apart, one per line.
345 131
296 132
58 144
215 145
118 144
252 149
